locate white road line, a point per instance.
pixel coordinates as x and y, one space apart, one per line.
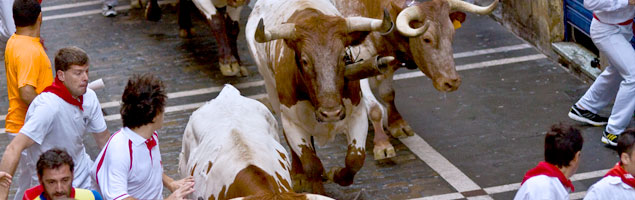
448 196
484 64
492 50
170 109
438 163
589 175
91 12
577 195
70 5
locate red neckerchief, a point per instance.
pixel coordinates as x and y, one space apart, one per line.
36 191
150 143
61 91
544 168
618 171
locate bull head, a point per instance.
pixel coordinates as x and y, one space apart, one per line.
319 42
429 31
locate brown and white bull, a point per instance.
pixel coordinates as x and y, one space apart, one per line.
301 56
423 41
231 148
223 17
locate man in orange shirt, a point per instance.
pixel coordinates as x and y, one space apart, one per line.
27 66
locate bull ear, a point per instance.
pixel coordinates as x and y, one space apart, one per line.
458 16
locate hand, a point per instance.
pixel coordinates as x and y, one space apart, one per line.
5 179
183 190
5 183
176 184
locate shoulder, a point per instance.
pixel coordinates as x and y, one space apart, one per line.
90 95
47 100
86 194
118 143
607 185
542 187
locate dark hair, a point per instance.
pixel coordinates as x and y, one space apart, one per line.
53 159
625 142
68 56
143 98
26 12
562 142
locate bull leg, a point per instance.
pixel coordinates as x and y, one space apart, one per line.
217 24
306 167
397 126
153 11
356 153
232 27
382 148
185 18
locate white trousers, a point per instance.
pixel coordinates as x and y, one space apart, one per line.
617 81
7 26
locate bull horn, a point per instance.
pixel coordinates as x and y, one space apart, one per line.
367 68
468 7
282 31
369 24
406 16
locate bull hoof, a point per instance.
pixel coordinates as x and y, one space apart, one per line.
244 71
226 70
400 129
384 151
153 11
186 33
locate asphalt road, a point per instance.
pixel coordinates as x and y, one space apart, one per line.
475 143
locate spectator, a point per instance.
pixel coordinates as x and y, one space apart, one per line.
7 26
28 70
58 118
55 173
618 183
139 175
611 31
550 178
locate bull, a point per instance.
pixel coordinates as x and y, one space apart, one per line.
231 148
301 56
423 41
223 17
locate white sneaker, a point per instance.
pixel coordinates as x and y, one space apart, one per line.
108 11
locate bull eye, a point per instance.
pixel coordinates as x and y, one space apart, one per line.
426 40
305 62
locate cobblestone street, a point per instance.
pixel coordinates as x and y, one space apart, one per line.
491 130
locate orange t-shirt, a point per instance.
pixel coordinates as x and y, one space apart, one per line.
25 63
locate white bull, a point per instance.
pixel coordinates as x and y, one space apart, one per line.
231 148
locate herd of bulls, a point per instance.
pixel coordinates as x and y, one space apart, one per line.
323 62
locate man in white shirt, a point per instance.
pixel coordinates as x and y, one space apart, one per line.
57 118
618 183
130 166
611 31
550 179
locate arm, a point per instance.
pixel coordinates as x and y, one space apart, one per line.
101 138
606 5
10 160
27 94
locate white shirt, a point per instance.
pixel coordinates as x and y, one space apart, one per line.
611 11
120 177
610 187
542 187
51 122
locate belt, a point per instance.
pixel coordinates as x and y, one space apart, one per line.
627 22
